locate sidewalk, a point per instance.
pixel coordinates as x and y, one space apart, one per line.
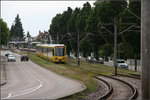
3 71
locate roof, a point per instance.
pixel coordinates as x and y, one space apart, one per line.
15 42
43 35
120 60
35 42
49 45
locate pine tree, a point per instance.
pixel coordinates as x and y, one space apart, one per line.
11 33
28 34
17 32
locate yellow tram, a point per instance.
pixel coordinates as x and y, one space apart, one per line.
55 51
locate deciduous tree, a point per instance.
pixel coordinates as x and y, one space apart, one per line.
4 32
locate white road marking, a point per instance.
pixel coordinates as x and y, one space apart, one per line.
25 91
22 92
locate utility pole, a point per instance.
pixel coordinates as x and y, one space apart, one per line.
0 47
28 35
145 48
78 59
28 46
57 38
115 46
115 64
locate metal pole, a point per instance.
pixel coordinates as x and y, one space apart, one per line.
28 46
115 46
0 45
135 61
78 47
57 37
145 48
119 51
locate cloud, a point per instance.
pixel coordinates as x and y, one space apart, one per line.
35 15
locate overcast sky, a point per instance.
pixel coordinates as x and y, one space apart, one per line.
36 15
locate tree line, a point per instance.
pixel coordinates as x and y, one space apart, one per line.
98 21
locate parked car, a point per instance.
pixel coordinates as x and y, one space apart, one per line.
11 57
24 57
101 61
94 60
89 58
122 64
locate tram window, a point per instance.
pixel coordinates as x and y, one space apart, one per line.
53 51
45 50
59 51
41 49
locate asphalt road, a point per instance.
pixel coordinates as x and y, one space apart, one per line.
27 80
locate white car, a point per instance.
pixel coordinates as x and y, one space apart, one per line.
89 58
122 64
11 57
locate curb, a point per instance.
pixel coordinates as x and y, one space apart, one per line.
3 71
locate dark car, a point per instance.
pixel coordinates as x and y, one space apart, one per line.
24 58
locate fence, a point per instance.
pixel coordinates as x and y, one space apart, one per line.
130 62
107 63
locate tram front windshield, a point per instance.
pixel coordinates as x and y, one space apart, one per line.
59 51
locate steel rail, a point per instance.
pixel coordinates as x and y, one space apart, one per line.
134 90
109 92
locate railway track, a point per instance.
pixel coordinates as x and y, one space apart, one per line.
114 88
103 91
134 80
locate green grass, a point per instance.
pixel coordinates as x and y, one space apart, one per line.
23 52
69 71
84 72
